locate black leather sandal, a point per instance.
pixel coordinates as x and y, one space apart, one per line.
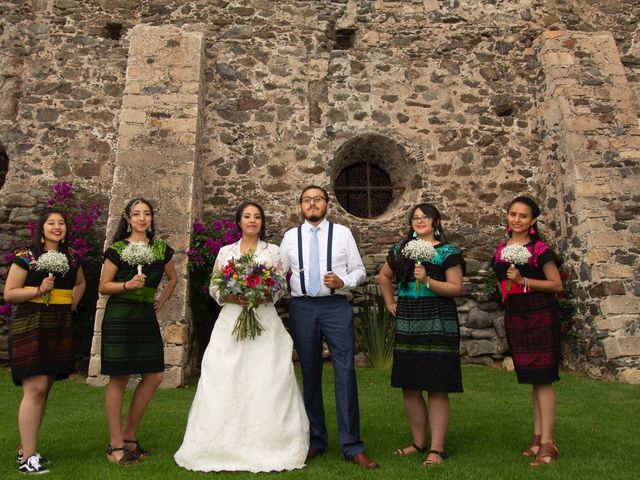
126 459
441 454
138 452
402 452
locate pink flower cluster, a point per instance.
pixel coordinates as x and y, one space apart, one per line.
5 310
208 238
83 217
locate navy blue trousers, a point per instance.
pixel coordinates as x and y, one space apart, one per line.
332 317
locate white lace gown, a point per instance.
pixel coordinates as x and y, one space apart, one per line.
247 413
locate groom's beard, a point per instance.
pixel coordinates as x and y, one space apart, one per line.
315 218
315 215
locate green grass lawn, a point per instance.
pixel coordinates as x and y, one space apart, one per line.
598 432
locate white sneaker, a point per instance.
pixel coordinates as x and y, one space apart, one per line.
32 466
41 459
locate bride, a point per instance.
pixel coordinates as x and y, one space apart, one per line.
247 413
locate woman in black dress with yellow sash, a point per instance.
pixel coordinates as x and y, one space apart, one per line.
426 352
131 340
41 334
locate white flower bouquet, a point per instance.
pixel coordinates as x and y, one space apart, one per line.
419 251
515 254
52 262
137 253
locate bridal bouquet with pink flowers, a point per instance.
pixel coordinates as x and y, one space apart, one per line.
245 276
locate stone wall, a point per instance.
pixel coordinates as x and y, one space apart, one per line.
448 96
157 157
591 140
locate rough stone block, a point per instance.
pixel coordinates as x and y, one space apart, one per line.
601 239
598 255
621 346
479 319
94 366
475 348
614 322
98 381
138 101
128 115
96 345
629 375
605 271
360 361
588 188
620 304
430 5
507 364
173 377
176 334
177 99
554 59
175 355
483 333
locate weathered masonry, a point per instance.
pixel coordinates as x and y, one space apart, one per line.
462 103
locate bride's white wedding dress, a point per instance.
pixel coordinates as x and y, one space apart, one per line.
247 413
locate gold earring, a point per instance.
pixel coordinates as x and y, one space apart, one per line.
41 239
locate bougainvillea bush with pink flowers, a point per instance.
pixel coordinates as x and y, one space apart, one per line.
85 237
207 238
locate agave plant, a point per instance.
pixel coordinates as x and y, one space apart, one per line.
375 333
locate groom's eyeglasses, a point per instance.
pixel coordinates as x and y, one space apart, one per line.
308 200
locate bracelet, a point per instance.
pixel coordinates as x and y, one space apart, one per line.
526 284
124 286
427 283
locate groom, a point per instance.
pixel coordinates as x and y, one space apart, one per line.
325 263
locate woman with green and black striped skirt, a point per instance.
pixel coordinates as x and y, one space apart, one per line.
426 352
131 342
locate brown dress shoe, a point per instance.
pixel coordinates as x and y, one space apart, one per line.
363 461
313 452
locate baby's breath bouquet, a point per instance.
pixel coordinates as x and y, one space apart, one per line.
137 253
515 254
419 251
52 262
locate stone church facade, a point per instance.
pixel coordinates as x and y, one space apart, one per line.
198 105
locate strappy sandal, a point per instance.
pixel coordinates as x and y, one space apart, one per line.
429 463
402 452
535 442
126 459
547 454
138 452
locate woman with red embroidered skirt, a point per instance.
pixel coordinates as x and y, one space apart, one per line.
532 319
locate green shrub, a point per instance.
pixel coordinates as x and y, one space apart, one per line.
375 332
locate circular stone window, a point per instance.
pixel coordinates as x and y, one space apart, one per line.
365 168
364 190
